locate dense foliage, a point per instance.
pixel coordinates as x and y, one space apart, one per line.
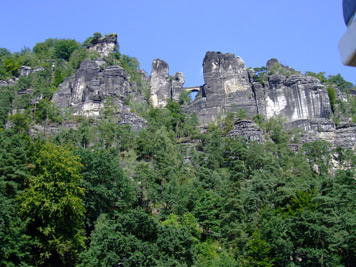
101 194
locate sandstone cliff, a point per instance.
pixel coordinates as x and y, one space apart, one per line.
302 101
94 84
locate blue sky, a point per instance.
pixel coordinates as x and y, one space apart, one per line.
303 34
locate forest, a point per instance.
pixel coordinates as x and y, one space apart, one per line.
170 194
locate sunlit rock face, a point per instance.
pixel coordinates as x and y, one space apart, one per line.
160 83
87 90
177 85
104 45
296 97
224 73
229 87
226 89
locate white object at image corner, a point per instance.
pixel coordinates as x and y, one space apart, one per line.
347 46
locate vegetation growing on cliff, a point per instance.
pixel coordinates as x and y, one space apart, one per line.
168 195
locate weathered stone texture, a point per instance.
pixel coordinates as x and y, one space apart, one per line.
227 88
136 122
88 89
104 45
160 83
342 136
177 85
247 129
296 98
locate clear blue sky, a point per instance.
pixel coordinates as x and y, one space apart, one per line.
303 34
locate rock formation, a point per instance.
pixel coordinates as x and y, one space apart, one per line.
91 85
302 101
160 83
177 85
276 90
3 83
296 97
227 88
94 86
247 129
104 45
164 87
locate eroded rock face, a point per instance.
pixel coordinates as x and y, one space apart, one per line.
343 135
227 88
104 45
223 73
296 98
25 71
177 85
136 122
88 89
160 83
247 129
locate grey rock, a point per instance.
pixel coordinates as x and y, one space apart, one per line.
224 73
296 98
280 67
342 136
132 119
227 88
51 129
276 80
247 129
11 82
87 91
313 125
160 83
177 85
105 45
37 69
271 63
25 71
63 96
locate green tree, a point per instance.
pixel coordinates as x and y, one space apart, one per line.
320 76
105 185
53 206
128 240
208 212
13 160
15 243
64 48
319 156
258 251
340 82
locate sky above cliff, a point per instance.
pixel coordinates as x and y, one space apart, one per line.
303 34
